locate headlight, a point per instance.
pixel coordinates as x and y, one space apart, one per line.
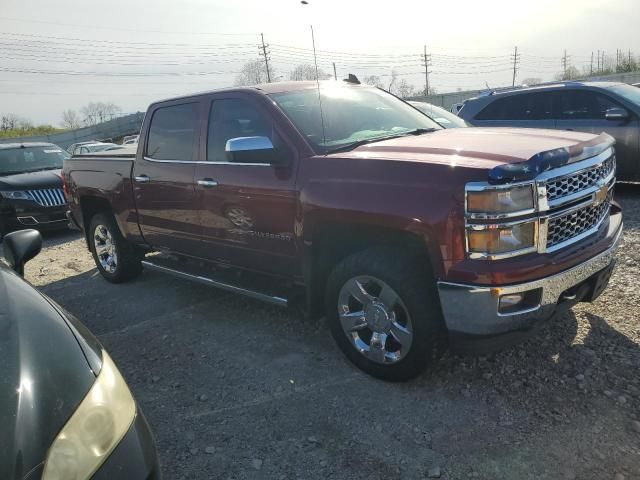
17 195
496 201
94 430
501 239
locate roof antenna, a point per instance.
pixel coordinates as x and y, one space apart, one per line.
315 60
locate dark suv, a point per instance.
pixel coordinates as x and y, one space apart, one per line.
593 107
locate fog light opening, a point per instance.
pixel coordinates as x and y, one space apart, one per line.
518 302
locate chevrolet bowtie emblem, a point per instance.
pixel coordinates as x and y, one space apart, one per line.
601 194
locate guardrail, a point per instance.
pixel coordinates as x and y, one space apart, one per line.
116 128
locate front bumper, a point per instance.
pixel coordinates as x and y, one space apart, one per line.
135 456
472 310
27 214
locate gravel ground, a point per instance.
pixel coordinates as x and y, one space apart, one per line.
236 389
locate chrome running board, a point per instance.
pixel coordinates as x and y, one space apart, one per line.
223 285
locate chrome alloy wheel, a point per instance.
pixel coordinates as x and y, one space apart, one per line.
375 319
105 249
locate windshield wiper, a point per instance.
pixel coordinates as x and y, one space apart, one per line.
350 146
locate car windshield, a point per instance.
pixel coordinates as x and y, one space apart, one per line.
31 159
440 115
628 92
350 115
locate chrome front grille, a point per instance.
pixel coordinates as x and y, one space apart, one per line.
48 197
558 188
568 226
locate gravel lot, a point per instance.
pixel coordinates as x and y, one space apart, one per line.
236 389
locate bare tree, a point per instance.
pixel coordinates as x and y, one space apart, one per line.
570 73
9 121
531 81
307 72
392 82
374 80
253 73
98 112
404 89
71 119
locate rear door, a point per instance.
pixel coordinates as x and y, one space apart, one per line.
525 110
247 210
163 177
585 111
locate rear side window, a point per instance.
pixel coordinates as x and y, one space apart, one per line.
172 134
529 106
583 105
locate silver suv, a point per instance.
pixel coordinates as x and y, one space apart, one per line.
581 106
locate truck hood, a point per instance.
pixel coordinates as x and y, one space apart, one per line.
45 375
482 148
31 180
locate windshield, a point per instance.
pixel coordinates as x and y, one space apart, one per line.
351 114
440 115
31 159
628 92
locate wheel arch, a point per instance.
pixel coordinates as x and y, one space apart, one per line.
330 242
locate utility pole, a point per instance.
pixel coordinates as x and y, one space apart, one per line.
266 57
564 64
335 75
591 69
516 60
602 63
598 61
427 63
617 59
629 64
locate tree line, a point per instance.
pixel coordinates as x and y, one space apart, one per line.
253 73
12 125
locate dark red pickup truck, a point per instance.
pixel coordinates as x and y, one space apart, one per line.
406 236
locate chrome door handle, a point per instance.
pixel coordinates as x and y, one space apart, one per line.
142 179
207 183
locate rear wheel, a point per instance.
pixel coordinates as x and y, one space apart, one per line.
384 313
116 258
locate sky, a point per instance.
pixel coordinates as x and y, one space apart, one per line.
58 55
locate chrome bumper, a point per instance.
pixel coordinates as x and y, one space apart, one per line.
473 310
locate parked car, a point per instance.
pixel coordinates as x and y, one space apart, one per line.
455 108
66 412
93 148
31 192
439 115
71 148
130 140
402 233
593 107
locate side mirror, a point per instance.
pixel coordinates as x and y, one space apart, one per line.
616 114
20 247
251 150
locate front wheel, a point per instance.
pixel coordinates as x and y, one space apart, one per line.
384 313
116 258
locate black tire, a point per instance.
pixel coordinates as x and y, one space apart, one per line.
128 260
411 279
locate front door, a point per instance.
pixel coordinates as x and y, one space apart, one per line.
585 111
247 210
163 179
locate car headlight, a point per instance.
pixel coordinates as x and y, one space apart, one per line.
489 240
16 195
95 428
483 200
